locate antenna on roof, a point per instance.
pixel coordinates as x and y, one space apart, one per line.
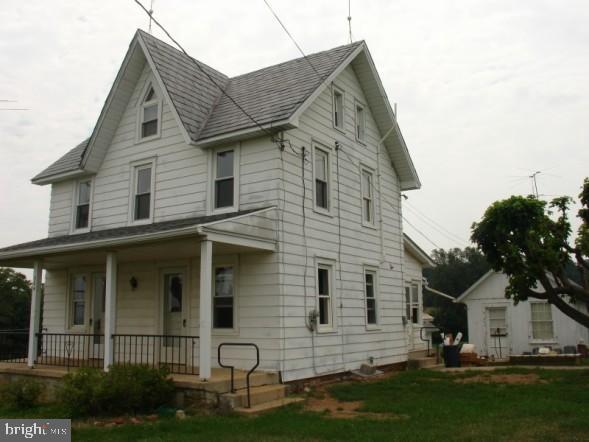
150 14
350 19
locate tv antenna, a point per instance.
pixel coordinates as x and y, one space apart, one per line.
350 19
150 14
535 182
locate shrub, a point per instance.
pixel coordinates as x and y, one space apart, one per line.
20 394
130 389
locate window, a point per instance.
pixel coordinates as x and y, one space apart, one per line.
83 204
497 321
412 305
542 328
360 123
370 292
338 109
324 295
149 114
322 178
78 300
224 169
223 301
142 204
367 198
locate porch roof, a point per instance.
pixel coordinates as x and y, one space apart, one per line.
129 235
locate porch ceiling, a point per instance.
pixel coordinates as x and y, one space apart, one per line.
238 232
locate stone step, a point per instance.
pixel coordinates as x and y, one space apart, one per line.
258 395
222 384
268 406
417 363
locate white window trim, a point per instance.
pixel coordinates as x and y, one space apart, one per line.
226 261
533 340
141 105
410 285
358 104
80 328
213 176
365 223
376 287
330 264
487 309
75 200
133 168
328 152
338 89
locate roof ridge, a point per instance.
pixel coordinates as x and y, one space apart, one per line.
354 44
145 34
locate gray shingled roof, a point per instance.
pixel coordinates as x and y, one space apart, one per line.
122 232
67 163
269 95
273 94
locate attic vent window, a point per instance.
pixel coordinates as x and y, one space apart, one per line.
150 114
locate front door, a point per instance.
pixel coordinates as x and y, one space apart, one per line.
173 299
412 308
97 321
497 333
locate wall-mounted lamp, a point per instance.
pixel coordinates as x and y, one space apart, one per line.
133 282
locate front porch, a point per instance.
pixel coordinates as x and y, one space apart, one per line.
149 298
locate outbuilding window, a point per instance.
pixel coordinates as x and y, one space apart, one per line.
542 327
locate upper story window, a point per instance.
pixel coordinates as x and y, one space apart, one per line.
225 179
338 108
360 122
322 172
83 194
150 114
142 202
367 197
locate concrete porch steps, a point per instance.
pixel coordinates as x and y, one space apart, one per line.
258 395
269 406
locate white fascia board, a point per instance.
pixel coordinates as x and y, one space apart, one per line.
59 177
325 83
158 78
244 134
109 99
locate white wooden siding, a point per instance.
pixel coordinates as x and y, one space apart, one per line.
351 344
60 208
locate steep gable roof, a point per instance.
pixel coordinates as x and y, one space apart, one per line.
274 97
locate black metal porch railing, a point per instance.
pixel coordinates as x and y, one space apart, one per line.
177 353
232 368
71 350
14 346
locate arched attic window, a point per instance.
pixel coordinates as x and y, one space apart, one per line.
149 115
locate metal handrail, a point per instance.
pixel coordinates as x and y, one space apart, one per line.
232 368
427 340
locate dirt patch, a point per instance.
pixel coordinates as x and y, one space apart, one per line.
322 402
520 379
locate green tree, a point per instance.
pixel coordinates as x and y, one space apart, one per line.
15 300
530 241
455 271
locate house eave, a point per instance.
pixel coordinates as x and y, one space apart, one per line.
50 179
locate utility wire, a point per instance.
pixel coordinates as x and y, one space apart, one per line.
434 224
197 64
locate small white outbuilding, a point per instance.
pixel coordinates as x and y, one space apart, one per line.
499 328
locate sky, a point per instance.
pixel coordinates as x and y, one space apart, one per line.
488 92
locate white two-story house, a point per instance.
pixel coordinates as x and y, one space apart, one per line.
261 209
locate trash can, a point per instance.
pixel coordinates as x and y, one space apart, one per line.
451 355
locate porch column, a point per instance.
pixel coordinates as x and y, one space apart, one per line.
205 311
35 313
110 304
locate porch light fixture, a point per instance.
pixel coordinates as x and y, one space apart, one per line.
133 282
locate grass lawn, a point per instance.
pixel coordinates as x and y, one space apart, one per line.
512 404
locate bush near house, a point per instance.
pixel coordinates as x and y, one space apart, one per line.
131 389
21 394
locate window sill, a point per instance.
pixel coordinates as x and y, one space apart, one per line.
326 331
373 328
362 142
78 231
371 226
225 332
140 222
340 129
222 210
543 341
323 212
140 140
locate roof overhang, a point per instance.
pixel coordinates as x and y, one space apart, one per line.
59 177
245 134
417 252
254 229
